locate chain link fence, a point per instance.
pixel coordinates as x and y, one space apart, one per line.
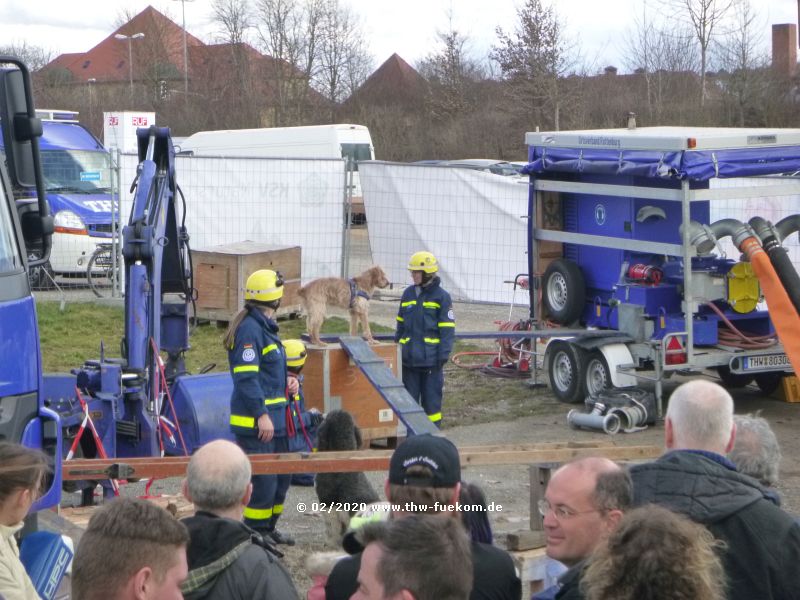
472 221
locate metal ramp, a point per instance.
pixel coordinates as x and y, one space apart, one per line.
388 386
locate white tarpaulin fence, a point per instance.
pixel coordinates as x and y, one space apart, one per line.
470 220
285 202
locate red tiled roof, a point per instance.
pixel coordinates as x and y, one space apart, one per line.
395 82
108 60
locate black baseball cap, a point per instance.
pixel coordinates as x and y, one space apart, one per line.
434 452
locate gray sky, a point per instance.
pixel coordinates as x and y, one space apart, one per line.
408 27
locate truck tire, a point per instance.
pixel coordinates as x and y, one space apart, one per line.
733 380
597 377
768 383
565 371
564 293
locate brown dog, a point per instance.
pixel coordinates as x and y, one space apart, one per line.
353 295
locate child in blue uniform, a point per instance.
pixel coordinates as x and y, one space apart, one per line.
303 432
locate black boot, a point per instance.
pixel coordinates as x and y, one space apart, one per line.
281 538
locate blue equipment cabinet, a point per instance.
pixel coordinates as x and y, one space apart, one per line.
633 208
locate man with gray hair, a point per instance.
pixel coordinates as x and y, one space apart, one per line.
695 478
227 559
756 451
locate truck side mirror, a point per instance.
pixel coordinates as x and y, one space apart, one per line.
21 133
18 128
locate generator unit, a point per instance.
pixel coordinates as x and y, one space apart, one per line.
622 241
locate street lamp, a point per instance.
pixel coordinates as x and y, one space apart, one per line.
185 50
130 38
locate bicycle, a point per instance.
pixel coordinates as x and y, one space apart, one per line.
100 270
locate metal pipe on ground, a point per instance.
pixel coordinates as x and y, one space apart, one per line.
610 423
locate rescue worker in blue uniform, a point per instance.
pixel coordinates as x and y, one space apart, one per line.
426 330
259 400
303 425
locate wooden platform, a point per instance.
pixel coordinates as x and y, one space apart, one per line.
332 381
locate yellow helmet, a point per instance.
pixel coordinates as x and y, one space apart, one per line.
264 285
423 261
295 353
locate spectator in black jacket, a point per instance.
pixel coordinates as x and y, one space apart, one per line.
425 477
227 559
398 556
696 479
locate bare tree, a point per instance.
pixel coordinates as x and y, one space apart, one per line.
341 53
660 54
234 18
533 59
288 31
745 65
35 57
705 17
360 64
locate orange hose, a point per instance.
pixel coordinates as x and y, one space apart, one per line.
781 310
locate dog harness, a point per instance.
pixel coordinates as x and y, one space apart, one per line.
355 292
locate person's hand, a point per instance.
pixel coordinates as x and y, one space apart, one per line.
315 417
293 386
265 428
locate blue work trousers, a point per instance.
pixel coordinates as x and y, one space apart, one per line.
425 385
269 491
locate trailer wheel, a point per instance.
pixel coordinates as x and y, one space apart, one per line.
597 376
769 382
565 371
733 380
564 291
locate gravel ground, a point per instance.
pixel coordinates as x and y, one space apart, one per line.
509 485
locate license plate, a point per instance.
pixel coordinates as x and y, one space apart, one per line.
765 362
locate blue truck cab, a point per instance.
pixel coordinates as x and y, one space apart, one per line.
25 230
77 173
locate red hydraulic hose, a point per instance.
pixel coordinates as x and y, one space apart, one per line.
781 310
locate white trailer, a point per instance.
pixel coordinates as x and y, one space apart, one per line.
349 142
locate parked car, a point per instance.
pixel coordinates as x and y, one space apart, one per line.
498 167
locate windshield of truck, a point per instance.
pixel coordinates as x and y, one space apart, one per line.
10 259
355 153
76 171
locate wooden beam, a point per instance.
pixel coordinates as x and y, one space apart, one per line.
356 461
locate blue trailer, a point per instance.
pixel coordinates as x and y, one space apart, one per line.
615 216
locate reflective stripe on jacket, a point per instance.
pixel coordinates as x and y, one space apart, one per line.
425 325
258 367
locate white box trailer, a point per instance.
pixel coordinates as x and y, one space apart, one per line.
350 142
119 128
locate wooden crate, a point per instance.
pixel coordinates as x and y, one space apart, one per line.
333 381
220 273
